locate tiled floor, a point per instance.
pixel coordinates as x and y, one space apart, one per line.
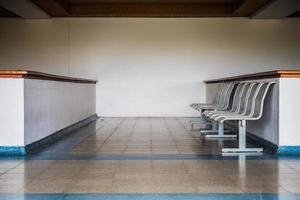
146 158
145 136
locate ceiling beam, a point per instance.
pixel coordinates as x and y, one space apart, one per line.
6 13
24 8
248 7
278 9
55 8
296 14
150 10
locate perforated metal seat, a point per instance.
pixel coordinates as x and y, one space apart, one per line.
235 104
225 98
223 105
218 101
254 107
221 101
215 102
246 96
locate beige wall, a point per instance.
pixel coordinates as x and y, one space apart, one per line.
149 67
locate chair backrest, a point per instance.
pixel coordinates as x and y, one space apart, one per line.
222 94
251 100
216 99
225 95
226 102
260 98
242 98
236 97
247 97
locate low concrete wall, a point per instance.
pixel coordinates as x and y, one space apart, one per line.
32 109
53 105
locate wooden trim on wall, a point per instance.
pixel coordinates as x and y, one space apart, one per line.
260 75
42 76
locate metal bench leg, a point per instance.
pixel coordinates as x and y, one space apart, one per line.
199 123
242 142
204 119
220 133
203 122
213 130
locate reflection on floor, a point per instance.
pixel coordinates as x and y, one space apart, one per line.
146 158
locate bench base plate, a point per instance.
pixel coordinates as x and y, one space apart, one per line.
220 136
212 131
245 150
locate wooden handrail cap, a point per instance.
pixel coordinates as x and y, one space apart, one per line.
260 75
42 76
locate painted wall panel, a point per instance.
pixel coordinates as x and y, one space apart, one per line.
52 105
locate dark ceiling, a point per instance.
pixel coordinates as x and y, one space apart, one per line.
296 14
143 8
150 8
6 13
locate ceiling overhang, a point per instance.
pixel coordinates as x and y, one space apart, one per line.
278 9
150 8
256 9
24 8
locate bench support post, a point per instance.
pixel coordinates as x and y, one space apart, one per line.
242 134
213 130
242 142
203 121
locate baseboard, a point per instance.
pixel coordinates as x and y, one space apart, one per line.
12 150
38 145
288 150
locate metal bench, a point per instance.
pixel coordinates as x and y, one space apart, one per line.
250 107
240 97
217 102
223 104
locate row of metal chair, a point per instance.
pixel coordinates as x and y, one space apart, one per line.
235 101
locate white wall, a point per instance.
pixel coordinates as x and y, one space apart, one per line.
11 112
149 66
53 105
